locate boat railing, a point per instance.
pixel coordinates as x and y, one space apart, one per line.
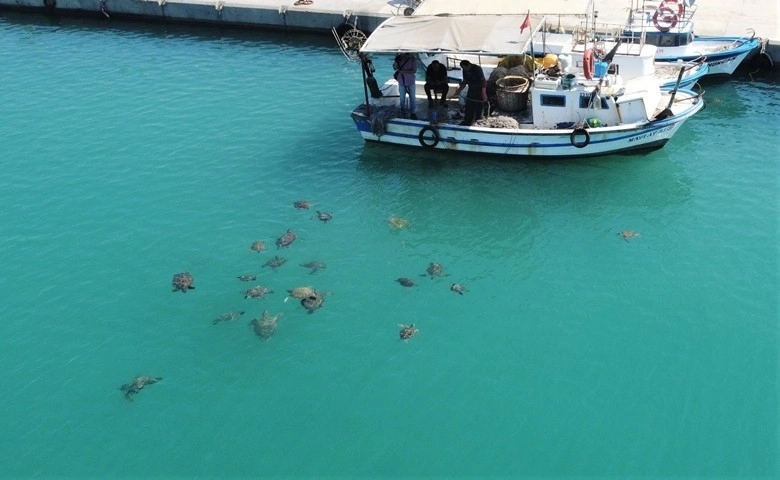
640 19
599 33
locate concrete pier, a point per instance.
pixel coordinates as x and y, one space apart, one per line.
714 17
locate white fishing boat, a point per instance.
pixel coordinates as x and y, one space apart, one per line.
562 115
668 25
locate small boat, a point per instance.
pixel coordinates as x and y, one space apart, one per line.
669 26
546 115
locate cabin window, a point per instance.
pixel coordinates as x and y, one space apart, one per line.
666 40
553 100
669 39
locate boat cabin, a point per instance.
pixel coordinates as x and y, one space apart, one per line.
556 103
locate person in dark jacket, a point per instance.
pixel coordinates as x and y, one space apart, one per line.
436 81
474 78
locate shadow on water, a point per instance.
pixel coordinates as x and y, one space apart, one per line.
501 187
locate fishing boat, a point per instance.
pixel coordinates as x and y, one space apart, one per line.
549 114
668 25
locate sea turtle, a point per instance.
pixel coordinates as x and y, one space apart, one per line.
301 292
302 204
247 278
628 234
314 265
324 216
286 240
435 270
406 282
397 222
257 292
182 281
313 302
266 326
275 262
258 246
457 288
407 331
227 317
137 384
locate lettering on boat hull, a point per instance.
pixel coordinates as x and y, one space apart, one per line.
649 134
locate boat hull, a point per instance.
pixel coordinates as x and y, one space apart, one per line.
720 62
526 142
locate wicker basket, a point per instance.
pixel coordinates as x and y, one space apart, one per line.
512 93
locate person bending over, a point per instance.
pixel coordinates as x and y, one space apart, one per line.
474 78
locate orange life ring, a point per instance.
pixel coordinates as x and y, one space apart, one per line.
664 18
588 63
680 6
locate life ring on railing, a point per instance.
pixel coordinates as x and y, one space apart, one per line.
680 6
664 18
424 141
588 63
573 138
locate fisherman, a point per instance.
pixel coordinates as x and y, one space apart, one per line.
436 81
474 79
405 66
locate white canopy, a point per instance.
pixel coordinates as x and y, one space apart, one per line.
499 7
477 34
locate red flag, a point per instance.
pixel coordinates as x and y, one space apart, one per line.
526 23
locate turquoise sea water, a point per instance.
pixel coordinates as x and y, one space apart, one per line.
129 153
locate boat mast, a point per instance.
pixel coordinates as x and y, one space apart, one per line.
364 69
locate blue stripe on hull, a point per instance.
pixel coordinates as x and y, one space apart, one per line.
364 126
643 148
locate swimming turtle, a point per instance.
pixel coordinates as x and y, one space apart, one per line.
227 317
397 222
258 246
435 270
302 204
301 292
406 282
314 265
275 262
265 326
407 331
313 301
182 281
286 240
324 216
137 384
457 288
257 292
247 278
628 234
